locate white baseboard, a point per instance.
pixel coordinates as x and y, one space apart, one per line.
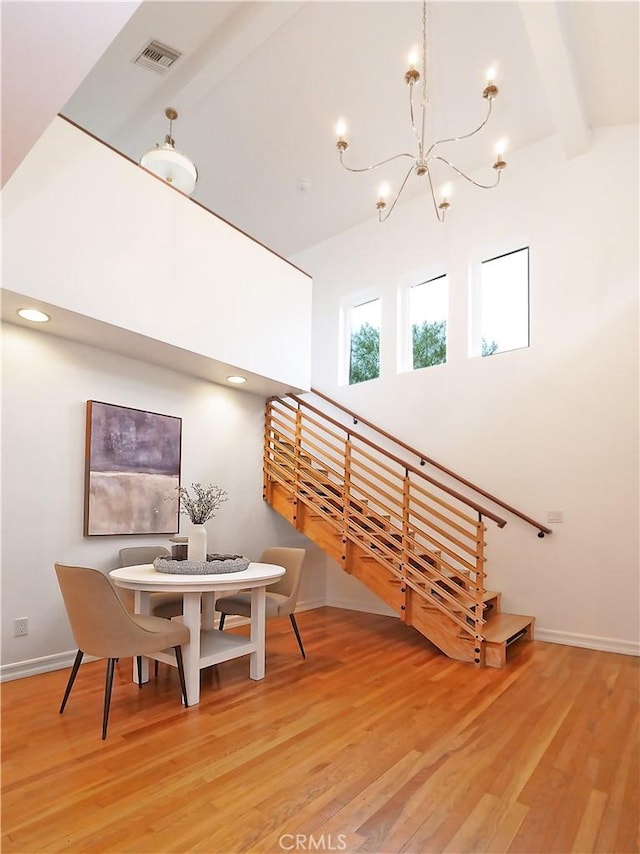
311 604
47 663
623 647
355 605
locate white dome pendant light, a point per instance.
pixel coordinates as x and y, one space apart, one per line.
172 166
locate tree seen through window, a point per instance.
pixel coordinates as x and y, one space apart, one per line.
364 363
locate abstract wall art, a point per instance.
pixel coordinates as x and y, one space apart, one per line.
132 471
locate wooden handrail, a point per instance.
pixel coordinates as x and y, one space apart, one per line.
542 529
483 511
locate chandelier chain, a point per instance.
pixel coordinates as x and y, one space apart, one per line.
424 54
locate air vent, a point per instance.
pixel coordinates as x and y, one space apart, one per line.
158 57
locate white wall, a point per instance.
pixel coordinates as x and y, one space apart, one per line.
46 383
76 35
551 427
100 236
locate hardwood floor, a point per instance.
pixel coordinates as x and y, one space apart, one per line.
376 743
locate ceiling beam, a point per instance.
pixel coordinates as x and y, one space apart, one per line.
556 72
251 24
244 32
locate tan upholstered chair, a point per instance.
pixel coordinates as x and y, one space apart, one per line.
162 604
282 597
103 627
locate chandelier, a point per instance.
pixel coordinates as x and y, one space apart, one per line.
172 166
424 156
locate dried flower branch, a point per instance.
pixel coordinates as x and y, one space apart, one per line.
202 505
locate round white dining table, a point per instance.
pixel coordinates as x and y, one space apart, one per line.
207 646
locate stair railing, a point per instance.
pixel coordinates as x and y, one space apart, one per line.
421 530
425 460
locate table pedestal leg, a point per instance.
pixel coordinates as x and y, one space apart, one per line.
191 652
258 600
208 610
141 605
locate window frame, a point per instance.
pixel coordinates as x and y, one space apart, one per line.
404 338
475 301
409 324
346 327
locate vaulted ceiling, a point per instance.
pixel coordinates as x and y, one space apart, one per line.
259 87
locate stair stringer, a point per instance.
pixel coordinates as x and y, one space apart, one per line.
388 584
444 634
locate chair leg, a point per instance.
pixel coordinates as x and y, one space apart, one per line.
72 679
183 684
139 664
298 638
155 668
221 623
108 684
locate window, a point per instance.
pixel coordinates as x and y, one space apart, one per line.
428 309
502 304
364 348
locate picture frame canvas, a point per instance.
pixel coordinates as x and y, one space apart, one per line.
132 471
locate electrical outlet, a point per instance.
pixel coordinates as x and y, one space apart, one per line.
555 516
21 627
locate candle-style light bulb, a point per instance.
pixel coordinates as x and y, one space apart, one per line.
500 163
490 90
412 75
445 195
341 129
383 192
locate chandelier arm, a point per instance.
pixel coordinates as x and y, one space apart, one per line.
375 165
464 136
385 217
466 177
439 213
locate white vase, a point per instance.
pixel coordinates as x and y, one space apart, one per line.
197 545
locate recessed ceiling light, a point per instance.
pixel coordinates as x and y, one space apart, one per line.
238 380
33 314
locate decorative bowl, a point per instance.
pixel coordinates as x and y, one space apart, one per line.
214 564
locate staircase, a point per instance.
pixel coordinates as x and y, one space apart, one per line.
415 542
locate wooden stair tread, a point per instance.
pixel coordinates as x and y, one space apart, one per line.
486 596
500 627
